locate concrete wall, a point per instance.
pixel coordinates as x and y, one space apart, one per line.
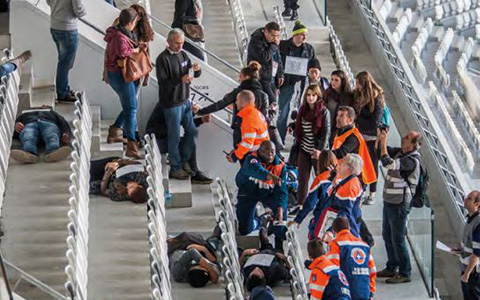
30 30
439 191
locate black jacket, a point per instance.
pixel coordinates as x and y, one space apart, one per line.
265 53
321 136
170 70
253 85
50 116
367 122
287 48
351 144
184 10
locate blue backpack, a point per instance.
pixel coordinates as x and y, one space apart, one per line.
386 115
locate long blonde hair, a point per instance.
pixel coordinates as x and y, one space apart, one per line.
369 92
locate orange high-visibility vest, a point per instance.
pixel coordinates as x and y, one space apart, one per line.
368 171
254 130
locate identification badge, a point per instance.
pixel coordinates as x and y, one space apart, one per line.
129 169
296 66
274 68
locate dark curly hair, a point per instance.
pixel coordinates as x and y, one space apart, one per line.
143 29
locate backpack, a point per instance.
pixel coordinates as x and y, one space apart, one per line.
420 197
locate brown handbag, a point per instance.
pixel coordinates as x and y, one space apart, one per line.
137 65
195 32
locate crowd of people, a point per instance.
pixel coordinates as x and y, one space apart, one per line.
338 133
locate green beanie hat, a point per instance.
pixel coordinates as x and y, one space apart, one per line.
299 28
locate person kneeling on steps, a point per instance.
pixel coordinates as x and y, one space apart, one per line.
43 124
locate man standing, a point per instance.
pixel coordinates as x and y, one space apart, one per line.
291 7
327 281
174 78
470 249
297 56
263 47
354 258
63 27
254 127
403 165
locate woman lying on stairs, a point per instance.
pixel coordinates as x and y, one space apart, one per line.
119 179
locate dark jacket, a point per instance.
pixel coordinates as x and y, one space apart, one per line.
49 116
287 48
321 131
262 292
265 53
367 122
261 103
333 101
184 10
170 70
351 144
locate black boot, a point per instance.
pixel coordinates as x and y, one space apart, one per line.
287 12
279 244
294 15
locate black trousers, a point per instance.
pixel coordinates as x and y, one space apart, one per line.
271 90
194 50
374 157
291 4
471 289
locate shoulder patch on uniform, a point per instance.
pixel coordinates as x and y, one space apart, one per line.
314 278
343 278
254 161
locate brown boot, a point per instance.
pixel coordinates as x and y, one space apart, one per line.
115 135
19 60
132 150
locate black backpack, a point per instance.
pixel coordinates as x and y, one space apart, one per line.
420 197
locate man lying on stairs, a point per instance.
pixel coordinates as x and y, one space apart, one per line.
119 179
262 178
42 124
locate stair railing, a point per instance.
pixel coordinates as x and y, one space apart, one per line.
77 240
9 87
159 271
297 269
6 289
281 22
231 268
240 28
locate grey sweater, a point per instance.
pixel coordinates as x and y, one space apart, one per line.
65 13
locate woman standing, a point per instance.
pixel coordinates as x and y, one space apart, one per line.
312 132
121 43
368 105
144 35
338 94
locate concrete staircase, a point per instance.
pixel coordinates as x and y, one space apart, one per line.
34 92
35 219
100 148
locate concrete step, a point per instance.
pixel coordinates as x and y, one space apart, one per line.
180 190
25 87
43 93
100 148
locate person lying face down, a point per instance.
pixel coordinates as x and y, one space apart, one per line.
119 179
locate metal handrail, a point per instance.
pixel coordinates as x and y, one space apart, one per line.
5 278
240 28
210 53
34 281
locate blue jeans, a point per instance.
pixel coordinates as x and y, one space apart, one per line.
180 153
394 232
6 69
67 45
48 131
127 92
286 94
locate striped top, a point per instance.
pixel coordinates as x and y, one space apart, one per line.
307 143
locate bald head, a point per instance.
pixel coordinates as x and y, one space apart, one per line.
411 141
266 151
245 98
472 202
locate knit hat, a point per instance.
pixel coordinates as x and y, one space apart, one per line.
315 63
299 28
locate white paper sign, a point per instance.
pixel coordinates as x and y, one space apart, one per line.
296 66
264 260
129 169
441 246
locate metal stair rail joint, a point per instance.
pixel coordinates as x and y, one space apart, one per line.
77 240
157 233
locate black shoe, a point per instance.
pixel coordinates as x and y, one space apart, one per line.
386 273
399 278
263 236
294 15
266 220
201 178
287 12
70 98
